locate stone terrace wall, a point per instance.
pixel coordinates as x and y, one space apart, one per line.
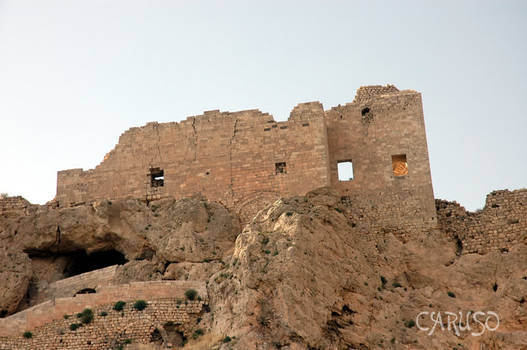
114 329
36 318
501 224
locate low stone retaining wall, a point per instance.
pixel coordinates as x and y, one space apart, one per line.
49 322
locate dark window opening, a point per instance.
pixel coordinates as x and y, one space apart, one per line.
280 168
86 291
80 262
399 165
305 124
345 170
365 111
157 177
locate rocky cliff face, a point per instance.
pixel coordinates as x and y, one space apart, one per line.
300 275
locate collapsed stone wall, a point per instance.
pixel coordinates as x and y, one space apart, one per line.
49 322
501 224
16 204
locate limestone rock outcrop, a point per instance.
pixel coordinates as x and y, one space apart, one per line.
15 273
301 276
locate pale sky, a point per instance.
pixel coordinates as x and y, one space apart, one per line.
75 74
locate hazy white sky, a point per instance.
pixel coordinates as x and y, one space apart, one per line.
74 75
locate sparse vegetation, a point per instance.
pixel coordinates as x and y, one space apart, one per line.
409 324
451 294
119 306
197 333
383 280
103 313
74 326
27 335
226 339
86 316
396 285
140 305
191 294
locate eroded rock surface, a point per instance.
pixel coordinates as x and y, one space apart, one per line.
302 277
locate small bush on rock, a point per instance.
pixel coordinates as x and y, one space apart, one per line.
191 294
28 335
140 305
86 316
119 305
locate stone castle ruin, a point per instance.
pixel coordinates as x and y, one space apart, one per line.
108 238
372 150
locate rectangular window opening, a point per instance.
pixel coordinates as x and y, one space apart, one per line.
280 168
399 165
157 177
345 170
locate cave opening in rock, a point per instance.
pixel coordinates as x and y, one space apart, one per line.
80 262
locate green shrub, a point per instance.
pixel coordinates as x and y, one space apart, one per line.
451 294
288 214
103 313
140 305
128 341
27 335
226 339
409 324
86 316
383 280
197 333
119 306
74 326
66 317
396 285
191 294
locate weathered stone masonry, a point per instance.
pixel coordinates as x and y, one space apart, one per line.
246 160
500 225
49 322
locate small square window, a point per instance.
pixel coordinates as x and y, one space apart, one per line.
345 170
399 165
280 168
157 177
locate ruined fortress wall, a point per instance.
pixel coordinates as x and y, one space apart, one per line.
368 133
229 157
500 225
246 160
48 324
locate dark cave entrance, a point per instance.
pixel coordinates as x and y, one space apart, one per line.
80 262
